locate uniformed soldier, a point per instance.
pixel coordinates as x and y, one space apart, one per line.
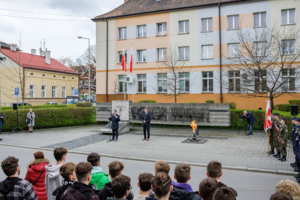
297 147
275 133
293 138
282 139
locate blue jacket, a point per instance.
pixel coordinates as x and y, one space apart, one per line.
297 141
293 135
114 121
250 118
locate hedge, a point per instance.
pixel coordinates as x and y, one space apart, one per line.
294 102
209 101
49 118
283 107
85 104
147 101
40 106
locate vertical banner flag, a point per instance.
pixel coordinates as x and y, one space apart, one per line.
123 62
131 59
268 122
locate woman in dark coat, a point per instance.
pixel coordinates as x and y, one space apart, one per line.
251 120
114 118
1 120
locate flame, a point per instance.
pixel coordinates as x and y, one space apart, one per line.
194 126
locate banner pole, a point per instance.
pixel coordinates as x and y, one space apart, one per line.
268 142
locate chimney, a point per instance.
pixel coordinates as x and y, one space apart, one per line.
47 56
33 52
13 48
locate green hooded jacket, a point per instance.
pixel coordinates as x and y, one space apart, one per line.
99 177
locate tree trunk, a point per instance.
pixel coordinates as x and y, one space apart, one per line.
272 101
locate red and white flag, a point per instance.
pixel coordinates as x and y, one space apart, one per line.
123 62
268 121
131 59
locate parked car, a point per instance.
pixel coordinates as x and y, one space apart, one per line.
51 103
21 104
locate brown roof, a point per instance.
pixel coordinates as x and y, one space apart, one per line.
137 7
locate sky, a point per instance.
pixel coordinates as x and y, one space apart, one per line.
60 36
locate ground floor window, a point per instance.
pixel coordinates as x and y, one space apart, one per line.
53 91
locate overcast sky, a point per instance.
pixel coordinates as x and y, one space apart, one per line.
60 36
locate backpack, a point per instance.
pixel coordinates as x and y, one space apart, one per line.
72 194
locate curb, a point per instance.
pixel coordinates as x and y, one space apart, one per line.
268 171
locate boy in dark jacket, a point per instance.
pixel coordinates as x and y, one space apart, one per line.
181 188
227 193
67 171
115 169
120 187
207 188
214 170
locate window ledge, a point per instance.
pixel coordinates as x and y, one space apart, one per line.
234 92
206 31
233 29
206 58
183 60
288 24
141 62
141 92
141 37
259 26
161 61
208 92
161 35
184 92
183 33
122 39
232 57
162 92
120 63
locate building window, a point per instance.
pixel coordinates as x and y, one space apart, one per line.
122 85
31 91
234 81
259 48
162 54
207 25
141 31
43 91
184 53
63 92
233 22
208 81
141 55
260 80
162 83
233 50
53 91
184 82
184 26
54 76
64 77
122 33
161 29
43 74
207 52
72 91
120 54
288 17
142 87
260 19
31 73
288 47
288 79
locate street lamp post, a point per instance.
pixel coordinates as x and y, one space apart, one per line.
80 37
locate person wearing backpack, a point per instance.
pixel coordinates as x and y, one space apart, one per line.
81 189
36 174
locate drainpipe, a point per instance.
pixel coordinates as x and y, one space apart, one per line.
220 50
106 60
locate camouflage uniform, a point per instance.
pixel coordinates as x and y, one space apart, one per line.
283 136
275 134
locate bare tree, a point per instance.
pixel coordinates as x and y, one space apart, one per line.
84 58
261 63
66 61
114 85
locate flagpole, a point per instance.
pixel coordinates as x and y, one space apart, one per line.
124 81
268 130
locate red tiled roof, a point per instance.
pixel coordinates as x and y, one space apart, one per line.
36 62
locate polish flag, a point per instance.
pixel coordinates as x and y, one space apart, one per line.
268 122
131 59
123 62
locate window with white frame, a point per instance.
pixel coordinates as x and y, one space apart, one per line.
288 79
63 92
43 91
122 33
162 54
259 48
233 50
122 85
184 26
162 82
141 31
120 54
184 82
142 83
161 29
207 25
234 81
207 51
72 91
208 81
260 19
233 22
53 92
288 17
260 80
184 53
141 55
288 47
31 91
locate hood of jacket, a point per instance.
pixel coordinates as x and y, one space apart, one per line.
178 194
38 164
53 171
96 169
183 186
108 189
97 176
8 185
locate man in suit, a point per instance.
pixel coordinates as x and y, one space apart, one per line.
250 119
114 118
146 119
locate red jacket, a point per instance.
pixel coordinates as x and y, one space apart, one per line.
35 168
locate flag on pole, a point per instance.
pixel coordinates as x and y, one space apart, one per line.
123 62
268 121
131 59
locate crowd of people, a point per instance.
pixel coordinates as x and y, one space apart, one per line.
86 180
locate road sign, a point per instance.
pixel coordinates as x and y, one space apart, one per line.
76 92
17 92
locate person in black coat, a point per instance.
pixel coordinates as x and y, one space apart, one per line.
114 118
1 123
146 119
250 119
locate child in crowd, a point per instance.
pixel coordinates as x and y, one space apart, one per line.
53 178
145 185
67 171
160 166
207 188
289 187
225 193
162 186
120 187
280 196
99 178
214 170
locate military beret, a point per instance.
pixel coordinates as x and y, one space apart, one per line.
284 119
276 114
294 118
298 119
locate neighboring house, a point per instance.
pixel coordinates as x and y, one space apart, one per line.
84 79
44 78
192 26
